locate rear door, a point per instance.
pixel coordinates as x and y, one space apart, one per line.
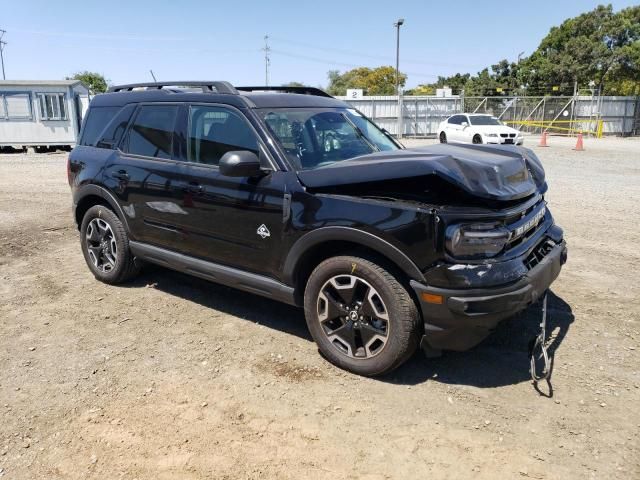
146 175
229 220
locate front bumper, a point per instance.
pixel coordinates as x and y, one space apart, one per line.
466 316
503 141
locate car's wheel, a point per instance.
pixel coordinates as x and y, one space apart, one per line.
477 139
105 245
443 137
362 318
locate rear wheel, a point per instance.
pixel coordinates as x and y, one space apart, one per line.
443 137
105 246
362 318
477 139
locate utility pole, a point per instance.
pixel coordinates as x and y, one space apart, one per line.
400 125
267 60
2 44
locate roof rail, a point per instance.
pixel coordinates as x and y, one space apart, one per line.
301 90
217 86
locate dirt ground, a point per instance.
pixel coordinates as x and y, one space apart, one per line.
172 377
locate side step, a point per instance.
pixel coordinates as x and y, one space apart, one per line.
232 277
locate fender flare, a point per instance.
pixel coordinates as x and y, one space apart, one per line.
97 190
349 234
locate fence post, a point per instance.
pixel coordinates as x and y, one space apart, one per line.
400 125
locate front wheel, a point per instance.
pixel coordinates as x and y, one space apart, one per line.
477 139
361 317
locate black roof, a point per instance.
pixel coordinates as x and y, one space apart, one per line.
217 92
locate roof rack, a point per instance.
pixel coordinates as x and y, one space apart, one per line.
300 90
217 86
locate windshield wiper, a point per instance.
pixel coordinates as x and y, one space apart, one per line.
361 134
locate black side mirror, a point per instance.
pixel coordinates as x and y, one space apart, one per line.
240 163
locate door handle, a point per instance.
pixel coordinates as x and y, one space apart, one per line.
193 187
121 175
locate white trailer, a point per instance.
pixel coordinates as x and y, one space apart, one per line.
41 113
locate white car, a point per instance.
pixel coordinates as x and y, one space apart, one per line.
477 128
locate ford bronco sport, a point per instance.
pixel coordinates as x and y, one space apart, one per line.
292 194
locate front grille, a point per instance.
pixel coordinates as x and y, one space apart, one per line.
538 253
512 135
504 135
524 224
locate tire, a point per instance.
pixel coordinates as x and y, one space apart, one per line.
443 137
383 331
105 245
477 139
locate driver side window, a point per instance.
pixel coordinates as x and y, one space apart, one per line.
214 131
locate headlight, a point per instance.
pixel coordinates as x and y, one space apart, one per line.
477 240
490 134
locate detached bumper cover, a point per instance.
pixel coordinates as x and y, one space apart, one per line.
467 316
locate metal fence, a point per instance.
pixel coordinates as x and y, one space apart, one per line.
421 115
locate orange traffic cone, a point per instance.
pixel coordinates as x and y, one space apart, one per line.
543 140
579 145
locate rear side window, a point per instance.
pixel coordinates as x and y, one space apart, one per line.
97 119
151 133
112 134
214 131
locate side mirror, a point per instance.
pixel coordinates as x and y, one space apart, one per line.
240 163
464 124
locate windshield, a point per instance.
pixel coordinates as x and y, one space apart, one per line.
483 120
316 137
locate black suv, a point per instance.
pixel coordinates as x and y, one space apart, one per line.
292 194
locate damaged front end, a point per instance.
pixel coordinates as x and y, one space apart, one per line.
465 296
494 247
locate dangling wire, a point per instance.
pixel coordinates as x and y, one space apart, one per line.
539 346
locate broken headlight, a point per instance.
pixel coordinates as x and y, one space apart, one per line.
476 240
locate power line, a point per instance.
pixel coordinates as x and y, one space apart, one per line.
339 64
373 56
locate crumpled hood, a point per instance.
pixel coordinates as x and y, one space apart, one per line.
493 172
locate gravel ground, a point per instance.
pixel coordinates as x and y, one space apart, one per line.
173 377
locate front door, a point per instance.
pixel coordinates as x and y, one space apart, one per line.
231 221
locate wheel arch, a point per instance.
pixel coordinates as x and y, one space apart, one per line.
326 242
90 195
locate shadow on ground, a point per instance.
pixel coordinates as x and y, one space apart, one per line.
501 359
254 308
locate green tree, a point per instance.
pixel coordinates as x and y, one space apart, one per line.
455 82
95 81
374 81
600 46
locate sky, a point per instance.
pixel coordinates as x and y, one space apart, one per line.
216 40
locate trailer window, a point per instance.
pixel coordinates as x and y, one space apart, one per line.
53 106
15 106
